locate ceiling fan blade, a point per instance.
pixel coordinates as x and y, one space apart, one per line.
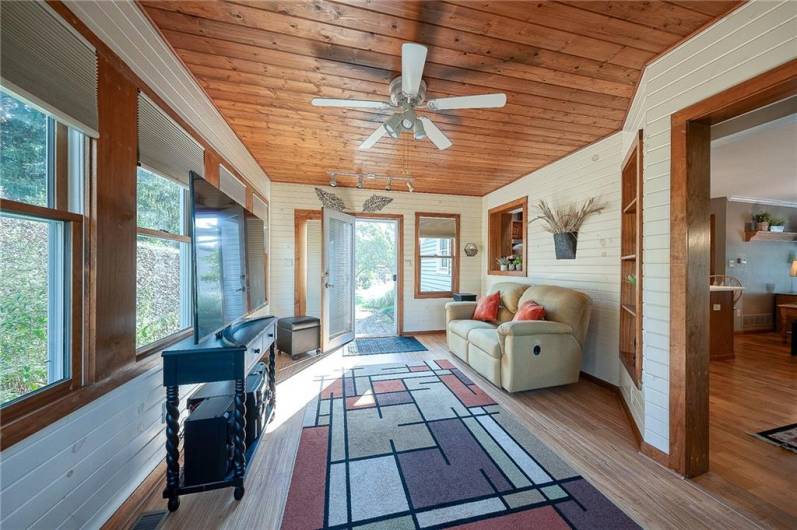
351 103
413 59
435 135
483 101
375 137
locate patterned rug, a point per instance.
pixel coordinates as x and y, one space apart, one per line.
378 345
419 445
785 437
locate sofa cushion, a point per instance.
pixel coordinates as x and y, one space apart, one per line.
510 295
464 327
529 310
487 341
487 308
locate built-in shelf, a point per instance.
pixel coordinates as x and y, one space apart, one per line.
630 207
631 262
758 235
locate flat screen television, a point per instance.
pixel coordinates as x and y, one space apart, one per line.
229 244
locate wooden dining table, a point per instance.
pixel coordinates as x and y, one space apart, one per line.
786 314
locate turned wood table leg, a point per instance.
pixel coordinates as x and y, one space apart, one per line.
272 377
239 438
172 446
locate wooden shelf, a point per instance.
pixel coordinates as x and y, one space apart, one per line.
630 207
757 235
630 342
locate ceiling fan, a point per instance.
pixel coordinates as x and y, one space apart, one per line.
407 94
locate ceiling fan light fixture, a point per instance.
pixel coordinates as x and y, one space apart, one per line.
408 119
393 125
417 130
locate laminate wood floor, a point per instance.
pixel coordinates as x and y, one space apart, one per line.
584 423
755 391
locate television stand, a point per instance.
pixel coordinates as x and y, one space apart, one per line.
228 357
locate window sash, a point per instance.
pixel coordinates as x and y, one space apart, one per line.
70 267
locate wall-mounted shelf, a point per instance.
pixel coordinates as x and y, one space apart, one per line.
757 235
631 262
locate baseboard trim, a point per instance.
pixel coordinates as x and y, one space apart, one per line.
125 517
424 332
655 454
598 381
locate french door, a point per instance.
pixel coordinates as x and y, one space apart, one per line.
337 292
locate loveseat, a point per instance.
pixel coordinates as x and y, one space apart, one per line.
523 355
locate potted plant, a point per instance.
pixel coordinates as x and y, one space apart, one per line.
777 223
503 263
518 263
510 262
564 224
761 221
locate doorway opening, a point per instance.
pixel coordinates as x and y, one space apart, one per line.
376 258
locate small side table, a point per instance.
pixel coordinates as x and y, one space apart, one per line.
464 297
786 314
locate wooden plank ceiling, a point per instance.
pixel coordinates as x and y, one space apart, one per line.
569 70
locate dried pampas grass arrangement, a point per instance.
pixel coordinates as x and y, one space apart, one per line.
566 220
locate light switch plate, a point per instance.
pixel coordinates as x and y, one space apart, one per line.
716 307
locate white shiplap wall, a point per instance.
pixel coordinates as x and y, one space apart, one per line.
419 315
591 172
757 37
76 472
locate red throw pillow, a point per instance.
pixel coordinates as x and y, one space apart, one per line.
530 311
487 308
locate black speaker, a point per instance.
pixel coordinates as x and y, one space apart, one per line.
208 441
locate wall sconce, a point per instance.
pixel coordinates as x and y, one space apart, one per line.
471 249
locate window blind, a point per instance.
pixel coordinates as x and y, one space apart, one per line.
44 61
437 227
164 147
233 187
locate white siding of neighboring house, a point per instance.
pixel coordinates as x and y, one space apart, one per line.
432 278
419 314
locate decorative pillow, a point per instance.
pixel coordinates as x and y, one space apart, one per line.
487 308
530 310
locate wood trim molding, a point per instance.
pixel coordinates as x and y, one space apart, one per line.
457 257
162 234
657 455
495 236
689 257
616 389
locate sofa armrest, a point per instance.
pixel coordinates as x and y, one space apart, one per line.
459 311
533 327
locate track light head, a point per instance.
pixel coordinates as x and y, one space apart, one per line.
389 186
410 187
360 182
333 180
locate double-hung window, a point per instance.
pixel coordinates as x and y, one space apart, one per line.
42 171
436 256
163 261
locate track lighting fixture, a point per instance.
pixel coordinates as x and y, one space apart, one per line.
362 177
410 187
389 186
333 180
360 182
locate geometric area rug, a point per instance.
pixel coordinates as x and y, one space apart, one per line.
419 445
785 437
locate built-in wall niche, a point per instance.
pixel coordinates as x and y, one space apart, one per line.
507 229
631 262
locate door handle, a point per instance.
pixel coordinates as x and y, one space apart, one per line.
328 285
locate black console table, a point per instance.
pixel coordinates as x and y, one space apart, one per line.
227 356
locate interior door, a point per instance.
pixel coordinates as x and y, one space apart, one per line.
337 293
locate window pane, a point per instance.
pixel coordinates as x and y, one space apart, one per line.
32 318
162 294
23 157
435 274
435 246
159 202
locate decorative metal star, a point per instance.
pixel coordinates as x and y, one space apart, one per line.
374 203
330 200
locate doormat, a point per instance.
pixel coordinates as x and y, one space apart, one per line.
419 445
374 346
785 437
